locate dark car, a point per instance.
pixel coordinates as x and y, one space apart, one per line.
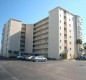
81 58
21 57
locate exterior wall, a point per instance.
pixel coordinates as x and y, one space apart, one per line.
40 40
53 44
79 27
70 36
62 29
14 35
29 39
5 41
78 34
11 37
16 38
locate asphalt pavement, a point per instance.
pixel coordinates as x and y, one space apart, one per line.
50 70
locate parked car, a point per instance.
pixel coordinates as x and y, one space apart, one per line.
81 58
21 57
39 59
29 58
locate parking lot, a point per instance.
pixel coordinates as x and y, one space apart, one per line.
50 70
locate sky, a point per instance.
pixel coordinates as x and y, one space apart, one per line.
31 11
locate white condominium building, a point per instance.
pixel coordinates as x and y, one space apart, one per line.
16 38
54 37
64 30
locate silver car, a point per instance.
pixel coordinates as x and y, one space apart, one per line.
29 58
39 59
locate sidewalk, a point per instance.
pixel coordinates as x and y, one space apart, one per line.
68 60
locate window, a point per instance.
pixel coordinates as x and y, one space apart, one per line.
65 23
60 47
70 36
65 17
60 40
60 55
65 28
70 48
65 41
45 50
70 42
60 34
60 21
70 25
60 27
65 47
69 19
60 15
70 30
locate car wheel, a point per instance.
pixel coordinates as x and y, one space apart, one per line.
37 60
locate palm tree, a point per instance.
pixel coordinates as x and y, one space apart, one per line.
85 49
79 42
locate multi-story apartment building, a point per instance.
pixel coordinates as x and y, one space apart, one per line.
54 36
64 30
16 38
40 37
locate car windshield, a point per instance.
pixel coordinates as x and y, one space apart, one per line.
40 56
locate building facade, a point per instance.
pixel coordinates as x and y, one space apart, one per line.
54 37
15 37
40 37
64 30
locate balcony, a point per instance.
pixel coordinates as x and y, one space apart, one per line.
40 47
65 35
22 41
22 46
40 38
40 43
65 26
65 23
23 30
65 38
22 33
65 44
22 50
64 13
41 24
41 33
65 20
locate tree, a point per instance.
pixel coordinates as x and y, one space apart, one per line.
79 42
84 47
